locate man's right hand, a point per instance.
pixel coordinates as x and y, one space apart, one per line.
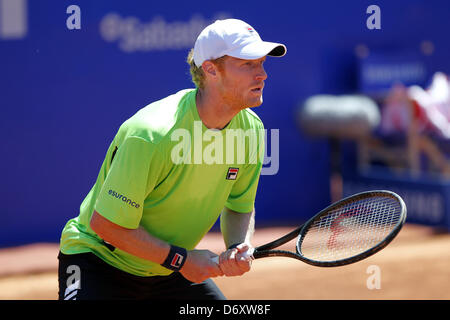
199 266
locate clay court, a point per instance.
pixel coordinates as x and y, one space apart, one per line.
416 265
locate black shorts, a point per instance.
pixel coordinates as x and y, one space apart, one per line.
84 276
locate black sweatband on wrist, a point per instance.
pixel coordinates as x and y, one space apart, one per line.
175 259
234 245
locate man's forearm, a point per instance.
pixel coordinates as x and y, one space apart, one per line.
237 227
198 265
137 242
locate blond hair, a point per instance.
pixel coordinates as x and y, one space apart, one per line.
197 73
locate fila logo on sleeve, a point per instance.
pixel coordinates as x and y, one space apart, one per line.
232 173
177 260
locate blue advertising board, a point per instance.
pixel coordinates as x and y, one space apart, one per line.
379 70
427 200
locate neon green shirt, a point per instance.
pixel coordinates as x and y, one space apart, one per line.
165 171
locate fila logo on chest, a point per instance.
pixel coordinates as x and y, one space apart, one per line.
232 173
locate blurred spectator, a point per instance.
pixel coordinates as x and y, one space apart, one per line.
434 105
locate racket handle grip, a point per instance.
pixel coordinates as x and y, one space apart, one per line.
247 254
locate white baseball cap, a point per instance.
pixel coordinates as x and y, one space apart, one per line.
234 38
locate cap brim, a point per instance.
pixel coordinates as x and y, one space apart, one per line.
258 50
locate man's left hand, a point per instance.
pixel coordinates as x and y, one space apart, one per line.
233 262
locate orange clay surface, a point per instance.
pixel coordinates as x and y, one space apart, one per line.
416 265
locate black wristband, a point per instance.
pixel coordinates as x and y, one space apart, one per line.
234 245
175 259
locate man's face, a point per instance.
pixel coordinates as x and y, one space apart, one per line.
241 82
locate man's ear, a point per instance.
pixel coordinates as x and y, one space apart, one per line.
210 69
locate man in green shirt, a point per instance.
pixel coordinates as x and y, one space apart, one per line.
171 170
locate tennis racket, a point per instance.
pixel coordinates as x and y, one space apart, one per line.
345 232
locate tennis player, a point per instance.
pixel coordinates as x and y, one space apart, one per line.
158 192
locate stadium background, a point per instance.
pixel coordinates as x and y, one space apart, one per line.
64 92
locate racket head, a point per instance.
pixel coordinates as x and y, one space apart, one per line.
351 229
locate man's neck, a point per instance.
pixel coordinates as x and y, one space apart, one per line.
213 111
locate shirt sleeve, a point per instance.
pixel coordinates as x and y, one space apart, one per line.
243 194
126 185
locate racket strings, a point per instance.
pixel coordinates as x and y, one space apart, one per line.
351 229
